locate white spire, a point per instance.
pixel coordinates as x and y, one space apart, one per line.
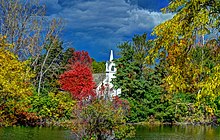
111 56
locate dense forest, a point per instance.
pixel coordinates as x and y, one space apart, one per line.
173 78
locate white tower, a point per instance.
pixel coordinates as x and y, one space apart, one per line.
111 56
110 74
110 69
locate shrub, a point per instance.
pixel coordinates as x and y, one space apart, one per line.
53 107
100 119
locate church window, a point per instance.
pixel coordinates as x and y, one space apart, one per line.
113 68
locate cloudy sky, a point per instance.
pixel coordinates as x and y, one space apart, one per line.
97 26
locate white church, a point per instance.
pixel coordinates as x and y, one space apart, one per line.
106 88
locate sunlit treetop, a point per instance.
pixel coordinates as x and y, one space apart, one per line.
14 75
192 18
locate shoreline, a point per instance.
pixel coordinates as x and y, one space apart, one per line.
175 123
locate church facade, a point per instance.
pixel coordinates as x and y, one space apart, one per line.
106 88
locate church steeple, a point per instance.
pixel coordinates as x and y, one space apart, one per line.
111 56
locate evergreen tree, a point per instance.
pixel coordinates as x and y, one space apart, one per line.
140 83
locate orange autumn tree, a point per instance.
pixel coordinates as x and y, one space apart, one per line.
15 85
78 78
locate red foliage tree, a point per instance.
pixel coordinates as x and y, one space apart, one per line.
78 78
81 57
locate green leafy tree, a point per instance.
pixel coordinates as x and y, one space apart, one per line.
50 65
98 67
51 109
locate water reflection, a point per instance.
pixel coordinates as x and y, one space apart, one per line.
187 132
34 133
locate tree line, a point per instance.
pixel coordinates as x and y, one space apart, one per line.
173 78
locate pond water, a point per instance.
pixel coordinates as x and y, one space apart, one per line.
186 132
142 133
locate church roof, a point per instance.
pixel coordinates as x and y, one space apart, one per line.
98 78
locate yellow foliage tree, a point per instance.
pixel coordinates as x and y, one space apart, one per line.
181 37
14 85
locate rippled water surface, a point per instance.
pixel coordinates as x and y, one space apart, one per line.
142 133
188 132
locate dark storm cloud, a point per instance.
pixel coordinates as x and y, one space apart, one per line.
100 25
